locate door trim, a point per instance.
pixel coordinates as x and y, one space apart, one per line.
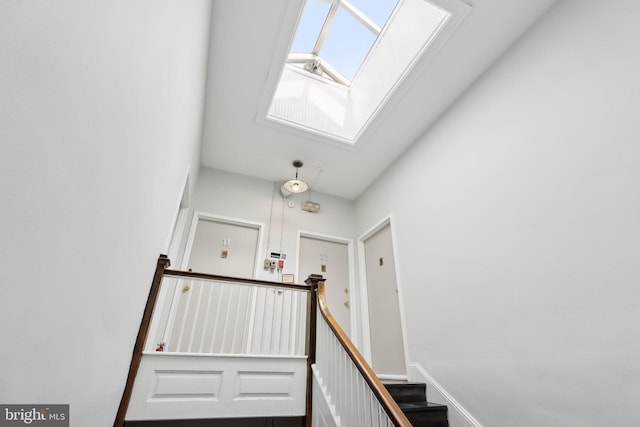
198 215
355 310
172 244
364 297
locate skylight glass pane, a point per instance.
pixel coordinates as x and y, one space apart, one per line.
347 44
377 10
311 21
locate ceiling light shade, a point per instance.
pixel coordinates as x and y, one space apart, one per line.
296 186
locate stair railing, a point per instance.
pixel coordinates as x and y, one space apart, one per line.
346 379
358 396
211 314
230 316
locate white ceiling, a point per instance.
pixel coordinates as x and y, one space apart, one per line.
248 37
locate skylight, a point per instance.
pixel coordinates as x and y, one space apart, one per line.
334 37
345 59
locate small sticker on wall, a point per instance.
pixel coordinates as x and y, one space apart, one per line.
224 253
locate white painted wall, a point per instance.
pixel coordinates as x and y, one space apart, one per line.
518 232
242 197
100 118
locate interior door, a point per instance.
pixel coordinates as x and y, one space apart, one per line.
226 249
387 344
331 260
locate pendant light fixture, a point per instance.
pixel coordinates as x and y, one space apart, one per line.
296 186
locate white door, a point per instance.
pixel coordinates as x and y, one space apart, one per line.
222 248
331 260
387 344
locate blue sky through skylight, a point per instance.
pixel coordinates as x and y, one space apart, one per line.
348 41
377 10
347 44
311 21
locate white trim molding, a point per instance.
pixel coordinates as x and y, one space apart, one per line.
366 327
457 414
355 333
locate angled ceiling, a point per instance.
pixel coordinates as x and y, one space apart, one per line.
248 38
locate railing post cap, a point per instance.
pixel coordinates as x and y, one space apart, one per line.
164 260
314 278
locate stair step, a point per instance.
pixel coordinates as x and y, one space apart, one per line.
425 414
407 392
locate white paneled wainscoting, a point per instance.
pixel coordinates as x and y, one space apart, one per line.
196 386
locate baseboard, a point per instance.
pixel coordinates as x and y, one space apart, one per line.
458 416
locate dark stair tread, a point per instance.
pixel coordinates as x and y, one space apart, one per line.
421 406
402 384
407 392
425 414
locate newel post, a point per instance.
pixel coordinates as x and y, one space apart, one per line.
143 331
312 312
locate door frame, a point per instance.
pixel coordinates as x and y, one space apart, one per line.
176 232
172 250
364 295
198 215
352 277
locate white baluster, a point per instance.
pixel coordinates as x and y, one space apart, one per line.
285 321
196 314
236 319
276 323
185 315
227 310
215 327
205 324
247 342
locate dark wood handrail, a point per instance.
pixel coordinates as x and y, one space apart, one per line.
205 276
390 406
143 331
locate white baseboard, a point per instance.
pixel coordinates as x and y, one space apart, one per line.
458 416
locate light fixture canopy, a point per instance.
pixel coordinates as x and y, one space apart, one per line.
296 186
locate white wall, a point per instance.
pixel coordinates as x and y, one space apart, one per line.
100 118
518 232
242 197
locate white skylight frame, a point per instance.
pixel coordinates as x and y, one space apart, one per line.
326 111
313 62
